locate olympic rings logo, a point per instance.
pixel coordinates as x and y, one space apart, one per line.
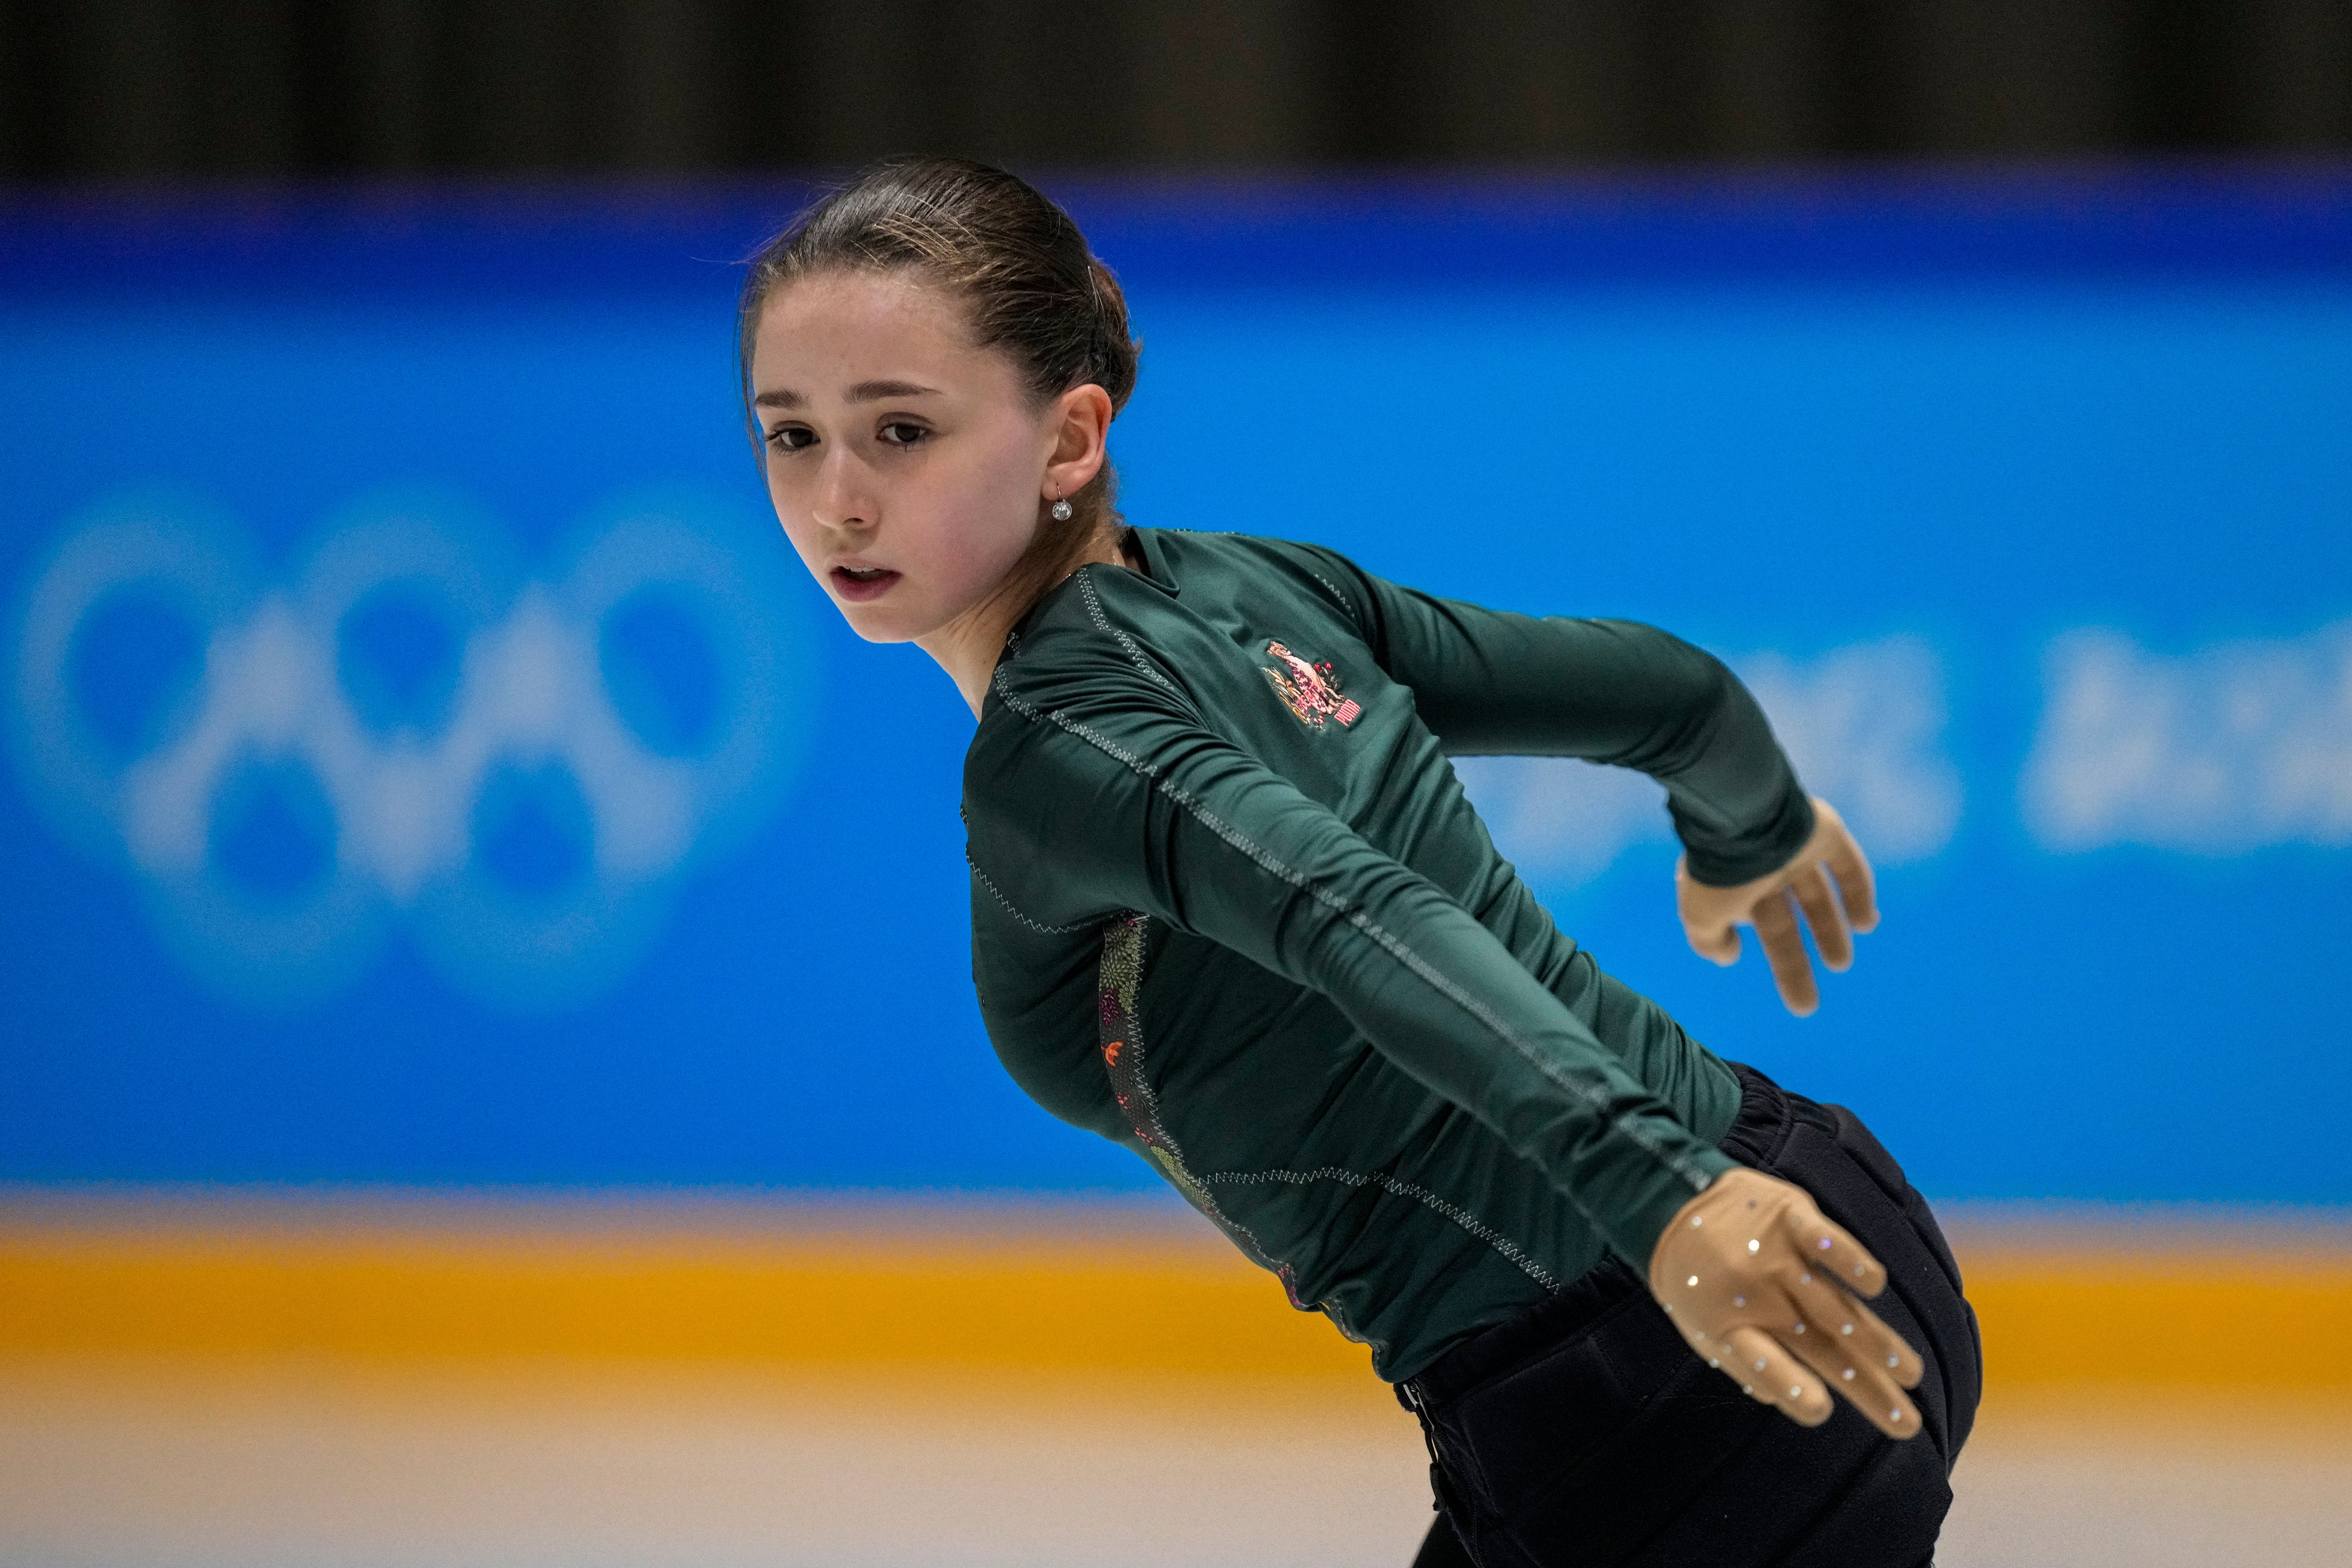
408 733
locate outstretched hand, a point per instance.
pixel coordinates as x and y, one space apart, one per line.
1763 1285
1828 881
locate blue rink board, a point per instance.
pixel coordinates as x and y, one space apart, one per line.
372 559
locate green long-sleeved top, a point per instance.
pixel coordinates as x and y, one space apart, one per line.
1232 908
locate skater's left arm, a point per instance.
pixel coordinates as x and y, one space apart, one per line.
1757 851
1496 683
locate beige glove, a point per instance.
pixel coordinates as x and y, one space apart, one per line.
1828 879
1763 1286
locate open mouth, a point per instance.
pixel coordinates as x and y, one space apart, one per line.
862 582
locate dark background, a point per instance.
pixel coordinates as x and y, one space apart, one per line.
144 88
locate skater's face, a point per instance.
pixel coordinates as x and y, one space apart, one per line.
909 467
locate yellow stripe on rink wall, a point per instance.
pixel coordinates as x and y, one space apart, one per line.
1061 1287
2159 1311
848 1286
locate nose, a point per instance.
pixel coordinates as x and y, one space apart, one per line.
843 501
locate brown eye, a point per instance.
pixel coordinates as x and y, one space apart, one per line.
791 438
901 433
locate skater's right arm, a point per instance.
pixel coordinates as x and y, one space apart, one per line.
1768 1289
1096 786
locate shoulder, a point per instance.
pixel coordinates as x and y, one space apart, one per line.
1094 642
1071 706
1314 572
1061 764
1114 664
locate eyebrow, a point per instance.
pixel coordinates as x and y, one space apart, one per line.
864 392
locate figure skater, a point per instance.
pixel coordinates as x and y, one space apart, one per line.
1232 909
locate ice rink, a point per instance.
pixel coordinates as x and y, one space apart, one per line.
418 1384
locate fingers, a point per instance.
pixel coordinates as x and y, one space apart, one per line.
1848 1345
1831 1344
1829 881
1856 884
1844 1333
1719 942
1766 1371
1764 1286
1829 1251
1812 886
1861 1377
1784 950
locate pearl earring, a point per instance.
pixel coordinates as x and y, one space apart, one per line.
1061 509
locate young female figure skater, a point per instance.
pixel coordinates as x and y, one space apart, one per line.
1231 909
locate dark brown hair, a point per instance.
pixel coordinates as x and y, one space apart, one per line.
1034 292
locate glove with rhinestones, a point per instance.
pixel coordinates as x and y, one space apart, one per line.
1765 1288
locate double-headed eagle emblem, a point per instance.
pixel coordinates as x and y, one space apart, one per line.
1309 691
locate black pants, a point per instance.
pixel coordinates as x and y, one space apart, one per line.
1586 1432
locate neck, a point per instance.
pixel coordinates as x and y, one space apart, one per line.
967 647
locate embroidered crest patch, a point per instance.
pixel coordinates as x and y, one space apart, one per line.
1311 691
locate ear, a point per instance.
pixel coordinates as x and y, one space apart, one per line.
1079 423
